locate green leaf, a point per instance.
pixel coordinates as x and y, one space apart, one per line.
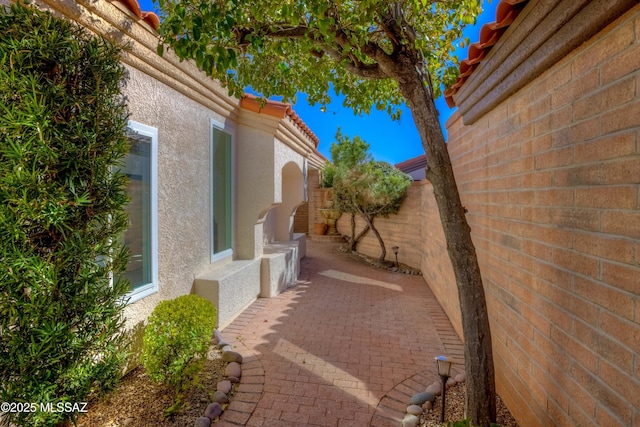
323 24
62 210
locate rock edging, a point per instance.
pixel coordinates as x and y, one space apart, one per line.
421 403
224 388
387 265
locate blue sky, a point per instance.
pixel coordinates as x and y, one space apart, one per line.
389 141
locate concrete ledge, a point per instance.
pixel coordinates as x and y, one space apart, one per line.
230 287
279 268
327 239
301 238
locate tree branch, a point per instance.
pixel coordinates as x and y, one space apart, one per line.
389 23
282 31
367 71
370 49
290 32
353 64
395 25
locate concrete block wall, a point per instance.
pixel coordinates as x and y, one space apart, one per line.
236 283
551 179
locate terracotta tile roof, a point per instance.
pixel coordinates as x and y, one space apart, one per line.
150 18
279 110
490 33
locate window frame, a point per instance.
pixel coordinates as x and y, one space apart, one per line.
151 288
216 125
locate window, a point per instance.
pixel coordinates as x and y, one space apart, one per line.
221 193
141 237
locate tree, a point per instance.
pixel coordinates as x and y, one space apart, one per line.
348 156
62 131
377 53
364 187
373 190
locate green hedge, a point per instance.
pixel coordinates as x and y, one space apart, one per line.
62 131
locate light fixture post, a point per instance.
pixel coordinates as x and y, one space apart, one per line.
444 388
444 368
395 251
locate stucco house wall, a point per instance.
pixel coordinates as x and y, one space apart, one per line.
183 104
183 184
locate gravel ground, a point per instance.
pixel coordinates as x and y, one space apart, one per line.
454 409
138 402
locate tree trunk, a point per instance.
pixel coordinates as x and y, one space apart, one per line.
353 241
414 86
383 253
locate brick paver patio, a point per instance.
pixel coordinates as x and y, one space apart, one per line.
347 346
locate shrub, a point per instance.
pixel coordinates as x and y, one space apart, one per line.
62 131
176 339
328 173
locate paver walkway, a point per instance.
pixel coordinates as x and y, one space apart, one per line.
346 346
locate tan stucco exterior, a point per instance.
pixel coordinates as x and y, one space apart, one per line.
182 103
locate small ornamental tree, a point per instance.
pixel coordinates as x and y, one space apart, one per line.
365 187
348 156
385 187
62 131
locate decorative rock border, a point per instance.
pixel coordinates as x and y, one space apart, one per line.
421 403
392 407
387 265
232 373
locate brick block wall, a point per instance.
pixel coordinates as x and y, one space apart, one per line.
402 230
551 179
435 263
301 219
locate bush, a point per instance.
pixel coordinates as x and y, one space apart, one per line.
328 174
62 131
176 339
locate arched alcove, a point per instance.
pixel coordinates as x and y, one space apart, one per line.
292 197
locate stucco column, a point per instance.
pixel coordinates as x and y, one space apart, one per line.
255 194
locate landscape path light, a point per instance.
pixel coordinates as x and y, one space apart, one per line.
444 368
395 251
